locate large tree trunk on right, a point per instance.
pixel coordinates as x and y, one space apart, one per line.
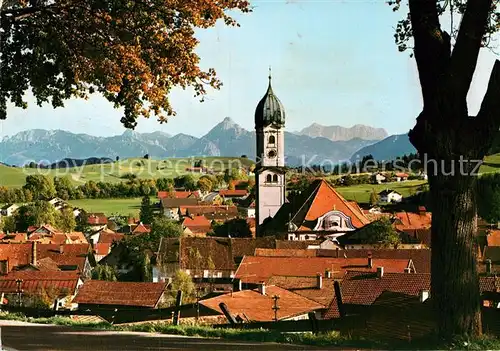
454 280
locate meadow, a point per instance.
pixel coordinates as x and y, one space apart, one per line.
361 193
112 172
128 206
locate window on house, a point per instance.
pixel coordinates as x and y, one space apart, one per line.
272 139
275 178
269 178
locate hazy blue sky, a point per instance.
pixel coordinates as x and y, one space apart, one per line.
333 62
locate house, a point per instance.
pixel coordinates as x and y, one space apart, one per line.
179 194
58 285
233 194
8 210
13 238
378 178
219 213
254 269
413 220
199 170
197 225
170 206
320 212
97 221
401 177
257 305
98 294
390 196
58 203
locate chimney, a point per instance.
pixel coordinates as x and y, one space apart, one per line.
61 248
370 261
337 252
380 272
328 274
488 266
423 295
319 281
262 288
34 260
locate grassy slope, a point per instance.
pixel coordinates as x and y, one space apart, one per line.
168 168
111 206
361 193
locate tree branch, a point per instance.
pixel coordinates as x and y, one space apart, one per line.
432 45
488 117
18 14
469 39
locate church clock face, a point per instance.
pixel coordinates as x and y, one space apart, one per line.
271 154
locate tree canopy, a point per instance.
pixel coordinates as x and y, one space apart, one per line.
132 52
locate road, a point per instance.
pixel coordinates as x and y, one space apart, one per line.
26 337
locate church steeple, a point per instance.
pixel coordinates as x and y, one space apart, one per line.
269 110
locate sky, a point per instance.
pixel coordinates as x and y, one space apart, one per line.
333 63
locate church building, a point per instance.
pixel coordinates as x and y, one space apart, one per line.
270 182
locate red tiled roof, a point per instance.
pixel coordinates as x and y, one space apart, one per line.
254 269
186 194
306 287
493 237
228 192
109 238
162 194
421 258
99 292
411 220
402 175
102 249
72 255
17 254
14 237
141 229
197 224
97 219
47 264
285 252
258 307
33 281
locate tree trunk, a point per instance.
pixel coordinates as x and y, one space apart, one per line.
455 282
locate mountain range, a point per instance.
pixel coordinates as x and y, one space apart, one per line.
313 144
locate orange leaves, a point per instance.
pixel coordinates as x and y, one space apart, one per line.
131 51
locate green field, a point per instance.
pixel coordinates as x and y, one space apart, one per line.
111 206
112 172
361 193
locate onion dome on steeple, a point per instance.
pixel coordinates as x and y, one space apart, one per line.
270 110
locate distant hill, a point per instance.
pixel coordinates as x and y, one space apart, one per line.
73 162
387 149
338 133
225 139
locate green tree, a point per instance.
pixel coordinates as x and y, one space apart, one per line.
146 212
374 198
236 228
186 181
99 47
204 184
453 141
40 186
65 220
182 281
488 204
8 224
104 272
380 232
64 188
37 213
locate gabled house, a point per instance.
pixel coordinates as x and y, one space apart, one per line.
390 196
96 295
39 284
170 206
257 305
378 178
233 194
97 221
320 212
401 177
8 210
197 225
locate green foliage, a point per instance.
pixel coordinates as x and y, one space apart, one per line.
374 198
64 188
182 281
186 182
236 228
380 232
37 213
8 224
205 184
65 220
104 272
146 213
40 186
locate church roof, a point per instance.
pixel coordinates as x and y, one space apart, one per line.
269 110
316 201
